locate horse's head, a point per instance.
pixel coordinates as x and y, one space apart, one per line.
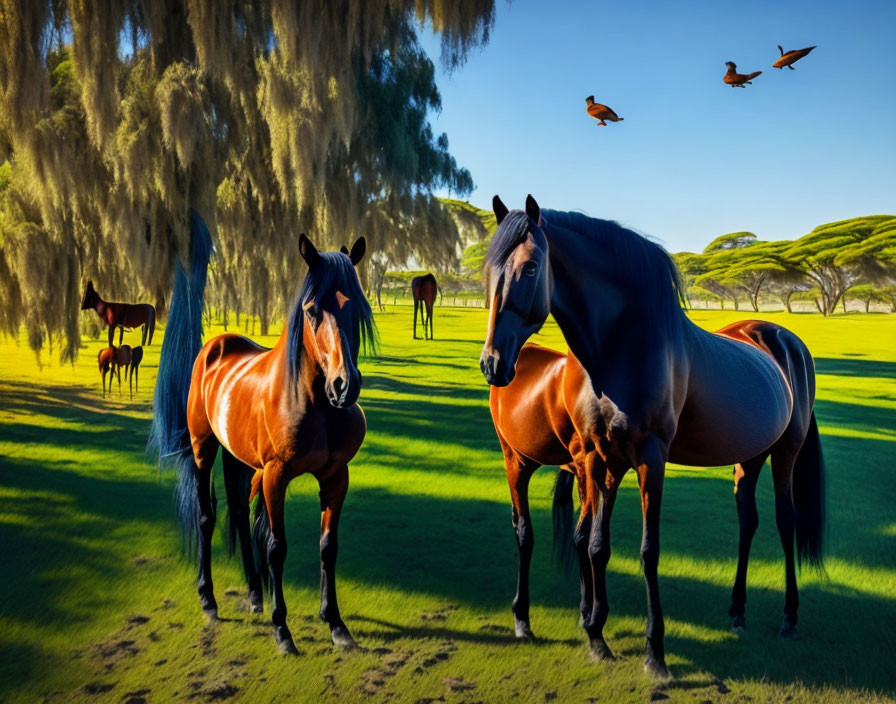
336 316
90 297
518 285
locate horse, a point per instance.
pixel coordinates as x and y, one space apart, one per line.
121 315
276 414
424 289
107 362
123 359
136 358
533 421
667 390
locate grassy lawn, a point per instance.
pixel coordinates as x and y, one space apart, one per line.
98 604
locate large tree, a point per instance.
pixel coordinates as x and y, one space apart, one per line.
838 255
265 118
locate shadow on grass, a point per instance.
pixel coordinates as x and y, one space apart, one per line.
463 550
836 366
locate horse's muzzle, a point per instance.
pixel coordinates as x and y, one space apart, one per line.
495 370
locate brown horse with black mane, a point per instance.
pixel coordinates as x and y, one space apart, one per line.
121 315
275 414
424 289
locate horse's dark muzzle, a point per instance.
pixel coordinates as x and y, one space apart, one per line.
495 371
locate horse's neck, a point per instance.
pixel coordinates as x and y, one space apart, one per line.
611 339
307 386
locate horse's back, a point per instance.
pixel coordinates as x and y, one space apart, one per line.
741 391
529 413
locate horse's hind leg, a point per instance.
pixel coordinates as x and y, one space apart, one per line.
237 478
416 306
745 476
332 495
205 495
519 472
785 517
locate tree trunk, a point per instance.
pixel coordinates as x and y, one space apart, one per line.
754 301
819 306
843 301
867 305
786 299
736 303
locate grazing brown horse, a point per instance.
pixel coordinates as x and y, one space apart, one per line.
121 315
107 362
667 390
136 358
424 289
276 414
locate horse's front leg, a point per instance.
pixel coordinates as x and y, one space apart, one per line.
332 494
651 474
274 488
603 489
519 472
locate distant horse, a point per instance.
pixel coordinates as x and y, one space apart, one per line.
136 358
123 360
532 418
276 414
121 315
424 289
668 390
107 362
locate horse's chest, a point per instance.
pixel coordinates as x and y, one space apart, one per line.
328 439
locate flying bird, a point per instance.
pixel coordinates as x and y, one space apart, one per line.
600 112
791 57
735 79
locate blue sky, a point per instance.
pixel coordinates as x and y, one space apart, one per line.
694 158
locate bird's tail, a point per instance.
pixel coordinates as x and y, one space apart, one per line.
753 75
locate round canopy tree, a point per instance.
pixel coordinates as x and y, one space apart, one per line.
266 118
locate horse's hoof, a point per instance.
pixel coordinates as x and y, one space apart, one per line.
211 613
342 638
284 641
256 605
600 650
523 631
656 670
788 630
739 625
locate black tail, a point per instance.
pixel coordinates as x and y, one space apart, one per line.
169 437
564 547
809 499
261 533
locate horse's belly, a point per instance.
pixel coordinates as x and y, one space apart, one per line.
738 405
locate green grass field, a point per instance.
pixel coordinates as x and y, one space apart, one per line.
99 605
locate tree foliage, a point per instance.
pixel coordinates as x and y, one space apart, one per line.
267 118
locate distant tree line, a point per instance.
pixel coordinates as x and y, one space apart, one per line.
855 257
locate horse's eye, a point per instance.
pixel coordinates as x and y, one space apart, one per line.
529 268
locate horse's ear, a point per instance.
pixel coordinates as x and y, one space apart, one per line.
308 250
90 285
532 209
358 249
499 208
343 249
